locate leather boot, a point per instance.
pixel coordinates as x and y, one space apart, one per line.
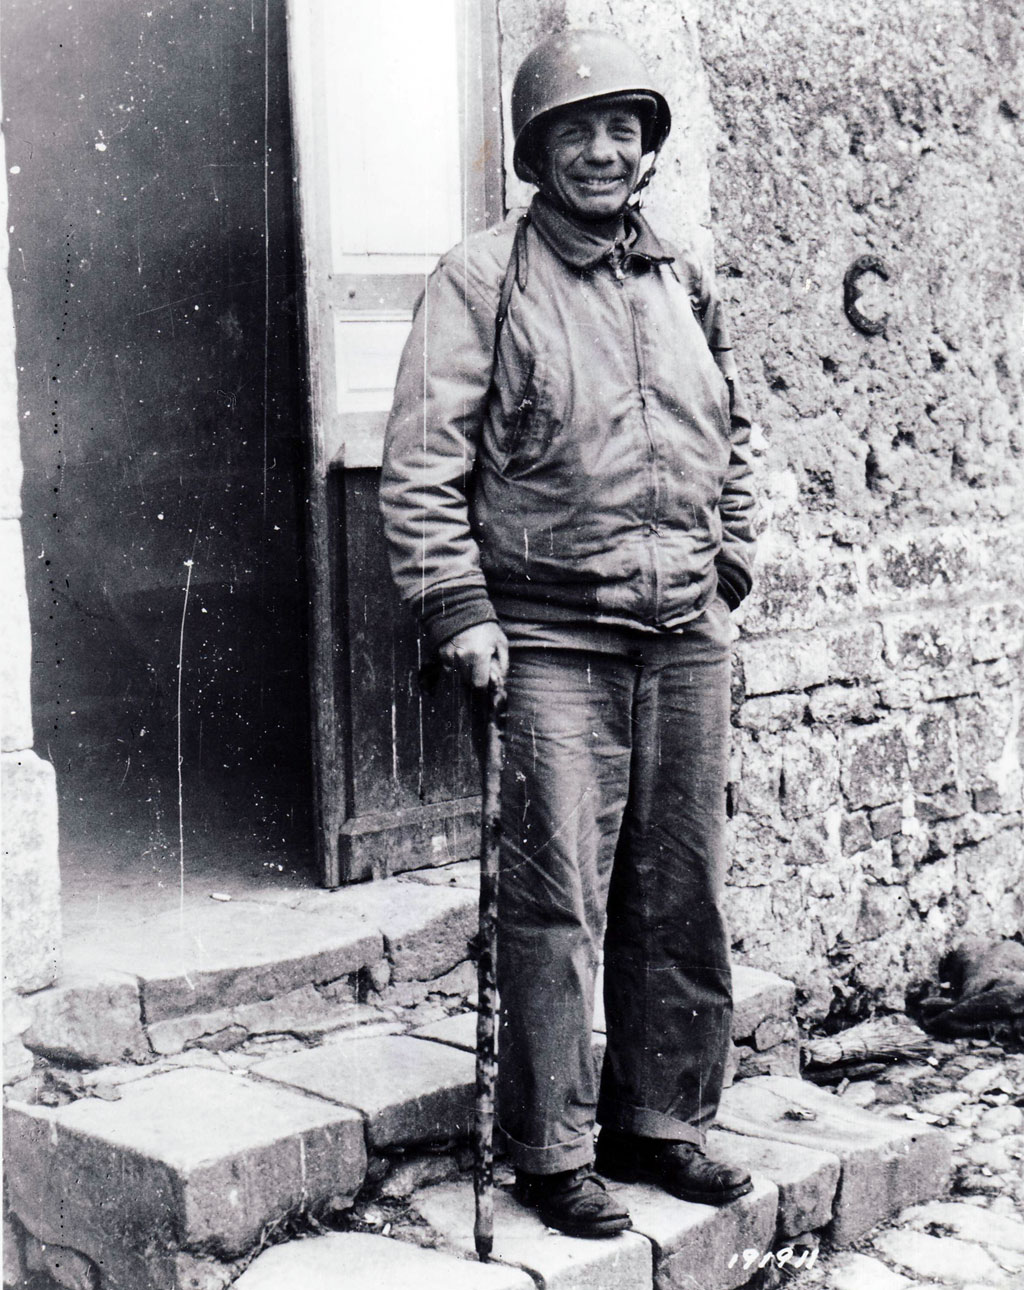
680 1168
575 1202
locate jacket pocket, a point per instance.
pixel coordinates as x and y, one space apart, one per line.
517 424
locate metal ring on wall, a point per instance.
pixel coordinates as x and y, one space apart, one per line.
851 294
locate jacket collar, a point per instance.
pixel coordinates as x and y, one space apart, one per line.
583 247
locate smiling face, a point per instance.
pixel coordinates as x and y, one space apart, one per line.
589 158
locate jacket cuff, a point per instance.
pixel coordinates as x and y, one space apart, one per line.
733 583
446 611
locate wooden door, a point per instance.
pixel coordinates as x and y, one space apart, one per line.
397 123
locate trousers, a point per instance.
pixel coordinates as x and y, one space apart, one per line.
613 812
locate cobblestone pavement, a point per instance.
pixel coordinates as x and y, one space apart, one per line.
973 1238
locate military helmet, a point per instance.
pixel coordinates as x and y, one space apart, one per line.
574 67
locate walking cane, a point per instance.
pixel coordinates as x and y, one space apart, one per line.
486 1065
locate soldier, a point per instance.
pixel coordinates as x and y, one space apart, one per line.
567 500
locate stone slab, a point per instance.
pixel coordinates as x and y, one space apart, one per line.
783 1059
859 1272
357 1261
694 1245
886 1164
425 926
31 878
459 1031
89 1020
969 1222
943 1258
189 1160
758 996
302 1012
807 1180
221 954
521 1240
409 1090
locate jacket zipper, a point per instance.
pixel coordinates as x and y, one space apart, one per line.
651 524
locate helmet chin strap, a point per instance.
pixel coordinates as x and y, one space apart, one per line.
635 201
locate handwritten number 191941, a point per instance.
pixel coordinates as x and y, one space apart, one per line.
787 1255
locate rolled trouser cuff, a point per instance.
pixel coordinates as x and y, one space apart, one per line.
553 1159
645 1123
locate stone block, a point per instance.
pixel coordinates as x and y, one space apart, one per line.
783 1059
750 915
459 1031
759 995
886 1164
995 631
942 1258
190 1160
923 643
358 1261
413 1172
304 1012
425 926
855 653
810 773
816 839
772 664
930 743
521 1240
806 1179
783 595
886 820
919 562
31 878
698 1245
773 712
89 1021
852 1271
409 1090
883 908
968 1222
831 705
16 654
67 1267
984 739
223 954
855 833
774 1030
873 764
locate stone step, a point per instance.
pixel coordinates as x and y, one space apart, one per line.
672 1244
218 971
409 1090
185 1169
886 1164
355 1261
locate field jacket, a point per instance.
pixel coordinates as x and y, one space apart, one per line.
594 465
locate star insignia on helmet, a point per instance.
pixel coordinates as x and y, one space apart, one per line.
583 72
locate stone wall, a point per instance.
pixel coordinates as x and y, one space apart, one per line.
28 801
876 786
